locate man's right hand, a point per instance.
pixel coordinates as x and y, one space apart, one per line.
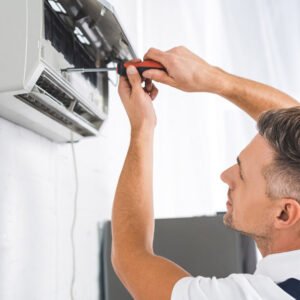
188 72
185 70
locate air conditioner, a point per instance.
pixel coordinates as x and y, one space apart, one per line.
39 39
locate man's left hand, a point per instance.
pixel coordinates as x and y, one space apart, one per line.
137 100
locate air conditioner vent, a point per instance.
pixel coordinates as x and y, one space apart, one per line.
47 85
66 119
86 114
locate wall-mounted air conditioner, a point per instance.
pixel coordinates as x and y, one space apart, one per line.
40 38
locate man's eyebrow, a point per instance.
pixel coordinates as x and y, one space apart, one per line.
240 165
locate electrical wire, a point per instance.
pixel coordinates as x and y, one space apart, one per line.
74 219
72 233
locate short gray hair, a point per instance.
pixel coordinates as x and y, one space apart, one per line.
281 129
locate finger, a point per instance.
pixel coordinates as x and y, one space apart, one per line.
148 85
135 60
159 76
154 92
156 55
134 77
123 83
124 86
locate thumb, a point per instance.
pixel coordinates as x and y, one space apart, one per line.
133 76
159 76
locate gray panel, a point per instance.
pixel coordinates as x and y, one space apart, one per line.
201 245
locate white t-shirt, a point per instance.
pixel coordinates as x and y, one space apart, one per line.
262 285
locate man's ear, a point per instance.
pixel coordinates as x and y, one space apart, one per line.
287 213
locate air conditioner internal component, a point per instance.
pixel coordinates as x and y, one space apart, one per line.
39 39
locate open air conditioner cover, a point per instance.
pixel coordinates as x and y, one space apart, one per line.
41 38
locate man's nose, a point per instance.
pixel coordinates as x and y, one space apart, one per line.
226 176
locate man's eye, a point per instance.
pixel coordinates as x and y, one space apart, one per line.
241 176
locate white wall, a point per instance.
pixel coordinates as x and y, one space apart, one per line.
196 137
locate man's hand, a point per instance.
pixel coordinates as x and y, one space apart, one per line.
185 70
138 100
188 72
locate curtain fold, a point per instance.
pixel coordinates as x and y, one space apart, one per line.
199 135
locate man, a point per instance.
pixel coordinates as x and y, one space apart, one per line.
263 194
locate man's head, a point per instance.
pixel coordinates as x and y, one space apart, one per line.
264 185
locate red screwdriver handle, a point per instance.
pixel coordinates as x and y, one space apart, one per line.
141 66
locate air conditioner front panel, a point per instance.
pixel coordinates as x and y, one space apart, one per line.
34 25
14 33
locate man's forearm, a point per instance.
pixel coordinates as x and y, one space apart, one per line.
252 97
132 219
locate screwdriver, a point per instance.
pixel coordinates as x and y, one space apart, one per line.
141 66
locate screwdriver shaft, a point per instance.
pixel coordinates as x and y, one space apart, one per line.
88 70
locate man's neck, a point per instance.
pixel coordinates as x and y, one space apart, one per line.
268 246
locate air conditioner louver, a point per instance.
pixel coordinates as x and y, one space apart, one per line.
52 89
52 99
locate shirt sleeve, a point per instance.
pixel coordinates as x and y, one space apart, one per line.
235 286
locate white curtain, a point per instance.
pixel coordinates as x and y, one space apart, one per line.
199 135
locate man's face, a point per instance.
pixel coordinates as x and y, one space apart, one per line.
249 209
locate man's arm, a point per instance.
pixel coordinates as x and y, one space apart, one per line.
253 97
144 274
188 72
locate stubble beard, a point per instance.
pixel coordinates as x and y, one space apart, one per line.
262 239
227 220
